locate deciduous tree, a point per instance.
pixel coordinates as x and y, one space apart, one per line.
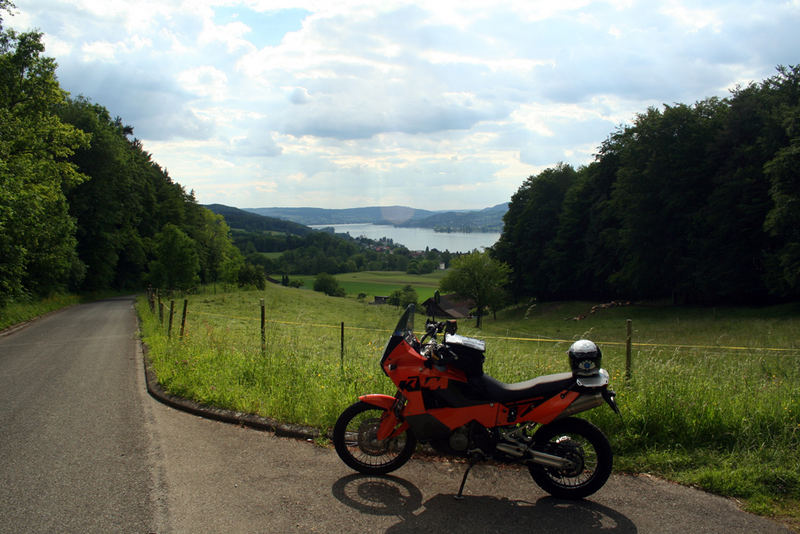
479 277
37 234
176 265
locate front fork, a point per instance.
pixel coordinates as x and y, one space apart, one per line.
392 423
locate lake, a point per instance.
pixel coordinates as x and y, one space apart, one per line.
418 238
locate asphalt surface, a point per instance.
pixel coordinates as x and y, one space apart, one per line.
74 442
84 448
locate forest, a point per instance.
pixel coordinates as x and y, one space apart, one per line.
82 205
690 203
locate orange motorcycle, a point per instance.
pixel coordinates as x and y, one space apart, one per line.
444 399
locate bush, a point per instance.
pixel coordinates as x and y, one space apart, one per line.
403 297
327 284
250 275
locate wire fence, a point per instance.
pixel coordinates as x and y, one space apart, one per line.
157 305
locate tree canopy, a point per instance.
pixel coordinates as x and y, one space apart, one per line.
696 203
82 205
479 277
37 234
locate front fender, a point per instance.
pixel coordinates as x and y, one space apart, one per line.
381 401
390 426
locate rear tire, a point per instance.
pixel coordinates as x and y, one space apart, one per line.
354 437
580 441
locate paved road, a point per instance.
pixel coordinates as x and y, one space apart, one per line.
74 443
85 449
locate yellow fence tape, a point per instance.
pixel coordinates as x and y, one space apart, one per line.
525 339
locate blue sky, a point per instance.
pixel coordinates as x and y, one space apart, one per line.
445 105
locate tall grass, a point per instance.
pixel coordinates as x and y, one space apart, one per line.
725 420
300 378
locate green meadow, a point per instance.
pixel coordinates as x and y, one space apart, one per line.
712 400
382 283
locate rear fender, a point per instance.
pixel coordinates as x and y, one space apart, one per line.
551 408
390 426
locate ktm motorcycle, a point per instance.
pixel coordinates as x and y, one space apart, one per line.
445 399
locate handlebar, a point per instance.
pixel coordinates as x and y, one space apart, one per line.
432 328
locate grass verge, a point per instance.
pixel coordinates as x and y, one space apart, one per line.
19 312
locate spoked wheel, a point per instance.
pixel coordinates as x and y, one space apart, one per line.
357 444
588 451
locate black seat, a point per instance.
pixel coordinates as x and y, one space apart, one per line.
542 386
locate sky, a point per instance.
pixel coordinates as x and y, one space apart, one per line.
441 104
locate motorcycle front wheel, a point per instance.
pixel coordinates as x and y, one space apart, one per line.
585 446
356 442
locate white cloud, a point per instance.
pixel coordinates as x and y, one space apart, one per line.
267 102
100 51
204 81
694 19
57 47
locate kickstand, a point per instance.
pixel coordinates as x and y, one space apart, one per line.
474 459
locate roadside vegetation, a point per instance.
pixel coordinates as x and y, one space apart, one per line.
726 420
19 312
27 309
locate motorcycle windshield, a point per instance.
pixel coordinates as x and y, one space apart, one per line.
403 330
406 323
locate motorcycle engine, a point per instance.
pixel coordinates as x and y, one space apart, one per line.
459 439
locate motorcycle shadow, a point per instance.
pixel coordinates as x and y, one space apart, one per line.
393 496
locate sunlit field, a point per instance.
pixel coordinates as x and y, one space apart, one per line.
381 283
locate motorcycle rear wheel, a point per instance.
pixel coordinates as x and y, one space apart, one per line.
356 443
580 441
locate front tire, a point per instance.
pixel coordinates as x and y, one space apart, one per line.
355 439
584 444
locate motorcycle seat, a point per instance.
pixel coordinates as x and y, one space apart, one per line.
492 389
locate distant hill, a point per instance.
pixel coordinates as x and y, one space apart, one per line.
251 222
488 220
485 220
375 215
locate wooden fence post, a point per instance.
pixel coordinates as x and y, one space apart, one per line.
160 312
183 317
263 329
171 313
628 346
341 364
